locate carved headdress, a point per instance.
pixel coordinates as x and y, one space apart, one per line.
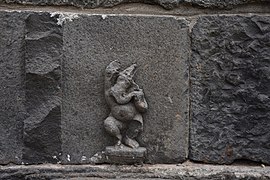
129 72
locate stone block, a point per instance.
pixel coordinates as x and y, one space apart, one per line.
160 47
43 53
230 89
12 92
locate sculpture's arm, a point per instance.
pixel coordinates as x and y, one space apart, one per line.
140 102
122 98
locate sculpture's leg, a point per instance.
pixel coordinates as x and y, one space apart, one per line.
114 127
134 128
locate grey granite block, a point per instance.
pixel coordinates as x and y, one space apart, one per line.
43 53
12 92
230 89
160 47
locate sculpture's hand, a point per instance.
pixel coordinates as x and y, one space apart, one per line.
123 98
140 101
138 93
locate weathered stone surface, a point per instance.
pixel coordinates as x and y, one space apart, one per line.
220 3
12 94
185 171
230 89
43 52
167 4
159 45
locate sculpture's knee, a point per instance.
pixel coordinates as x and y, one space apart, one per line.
111 127
110 124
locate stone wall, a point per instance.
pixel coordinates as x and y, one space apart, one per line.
205 72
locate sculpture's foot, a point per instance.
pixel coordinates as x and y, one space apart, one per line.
131 142
119 144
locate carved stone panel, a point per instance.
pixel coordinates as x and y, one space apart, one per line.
230 89
12 92
159 46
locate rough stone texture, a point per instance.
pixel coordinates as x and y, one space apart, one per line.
221 3
12 94
230 89
167 4
159 45
88 172
43 51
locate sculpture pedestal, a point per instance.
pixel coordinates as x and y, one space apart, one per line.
124 155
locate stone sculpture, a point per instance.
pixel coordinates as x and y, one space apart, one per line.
127 102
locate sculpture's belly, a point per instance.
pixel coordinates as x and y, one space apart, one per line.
124 112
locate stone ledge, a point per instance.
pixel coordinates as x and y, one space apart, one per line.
167 4
183 171
143 9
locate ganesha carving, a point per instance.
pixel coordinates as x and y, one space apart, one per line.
127 102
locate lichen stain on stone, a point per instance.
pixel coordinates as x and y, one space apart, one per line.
64 17
104 16
83 158
68 157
